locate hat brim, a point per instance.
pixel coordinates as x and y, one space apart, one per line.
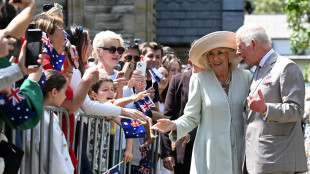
208 42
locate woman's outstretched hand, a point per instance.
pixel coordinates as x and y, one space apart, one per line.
164 125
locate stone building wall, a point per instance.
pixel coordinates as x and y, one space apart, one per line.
130 18
180 22
175 23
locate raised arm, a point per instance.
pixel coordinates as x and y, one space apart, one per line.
20 23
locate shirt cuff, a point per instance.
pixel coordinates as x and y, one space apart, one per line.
265 115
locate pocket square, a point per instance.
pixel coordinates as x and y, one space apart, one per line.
268 81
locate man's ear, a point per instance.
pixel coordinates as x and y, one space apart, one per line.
253 43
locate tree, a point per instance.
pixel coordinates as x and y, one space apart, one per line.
298 19
266 6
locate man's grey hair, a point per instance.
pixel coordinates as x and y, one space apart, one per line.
249 32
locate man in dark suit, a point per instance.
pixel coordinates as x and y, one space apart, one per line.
274 109
178 160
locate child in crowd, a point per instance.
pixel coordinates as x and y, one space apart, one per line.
54 95
103 91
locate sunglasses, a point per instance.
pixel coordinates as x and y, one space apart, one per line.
130 57
113 49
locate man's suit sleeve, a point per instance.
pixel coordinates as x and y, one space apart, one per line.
169 113
292 89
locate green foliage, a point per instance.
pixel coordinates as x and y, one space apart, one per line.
305 73
298 19
267 6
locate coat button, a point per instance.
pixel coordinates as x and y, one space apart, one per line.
66 159
65 145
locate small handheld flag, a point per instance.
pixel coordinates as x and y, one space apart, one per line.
132 128
156 75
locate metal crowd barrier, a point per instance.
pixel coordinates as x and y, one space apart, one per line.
97 121
31 167
110 151
87 121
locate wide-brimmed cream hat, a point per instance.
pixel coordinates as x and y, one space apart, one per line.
208 42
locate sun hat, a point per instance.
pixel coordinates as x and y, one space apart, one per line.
208 42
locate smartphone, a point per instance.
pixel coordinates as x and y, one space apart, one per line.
16 50
32 26
34 47
59 7
47 7
127 69
17 1
141 66
137 41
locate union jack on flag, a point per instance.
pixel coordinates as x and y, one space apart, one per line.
15 95
145 165
145 151
47 43
135 123
144 105
148 102
132 128
143 169
16 111
52 59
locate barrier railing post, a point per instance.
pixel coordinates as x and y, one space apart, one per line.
41 150
157 142
108 151
32 150
80 143
95 143
88 121
68 128
23 166
120 147
101 146
50 142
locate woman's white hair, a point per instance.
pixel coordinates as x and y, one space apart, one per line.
100 38
249 32
233 58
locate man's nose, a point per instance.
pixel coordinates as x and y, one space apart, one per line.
238 52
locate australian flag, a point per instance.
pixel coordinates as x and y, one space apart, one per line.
15 107
145 152
144 105
145 166
156 75
113 171
42 80
52 59
132 128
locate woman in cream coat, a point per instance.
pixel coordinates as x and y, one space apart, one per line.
215 106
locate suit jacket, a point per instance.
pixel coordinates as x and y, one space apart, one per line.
175 102
276 144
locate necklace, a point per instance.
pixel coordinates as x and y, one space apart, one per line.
226 83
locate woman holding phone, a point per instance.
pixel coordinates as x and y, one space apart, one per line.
108 47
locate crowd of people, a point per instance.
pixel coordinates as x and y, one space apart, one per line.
213 117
